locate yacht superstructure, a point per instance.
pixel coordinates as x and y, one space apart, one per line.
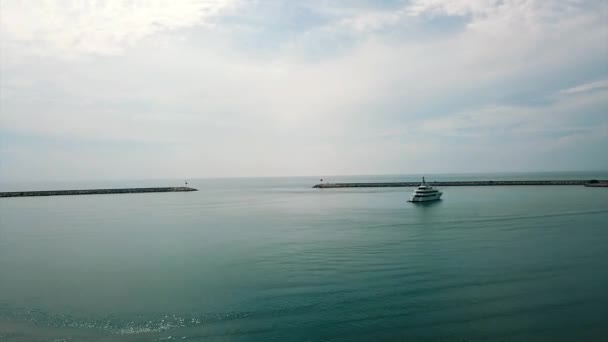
425 193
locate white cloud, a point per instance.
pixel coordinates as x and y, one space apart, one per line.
475 8
220 109
592 86
69 28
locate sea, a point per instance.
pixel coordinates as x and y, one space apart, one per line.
272 259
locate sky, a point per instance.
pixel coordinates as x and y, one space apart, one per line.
235 88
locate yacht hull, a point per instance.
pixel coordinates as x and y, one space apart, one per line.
426 198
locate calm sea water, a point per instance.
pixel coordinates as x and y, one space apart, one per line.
273 259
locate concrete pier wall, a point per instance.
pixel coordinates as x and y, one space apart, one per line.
93 191
462 183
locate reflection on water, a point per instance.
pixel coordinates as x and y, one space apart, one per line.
427 204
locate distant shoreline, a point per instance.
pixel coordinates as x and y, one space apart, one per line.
588 183
94 191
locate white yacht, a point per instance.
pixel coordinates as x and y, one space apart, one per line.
425 193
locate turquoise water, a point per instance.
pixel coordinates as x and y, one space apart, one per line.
273 259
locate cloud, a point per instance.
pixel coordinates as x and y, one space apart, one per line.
342 90
70 28
570 113
587 87
476 8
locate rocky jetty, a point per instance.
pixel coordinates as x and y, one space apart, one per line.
592 183
93 191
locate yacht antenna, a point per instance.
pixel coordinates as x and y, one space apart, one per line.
423 182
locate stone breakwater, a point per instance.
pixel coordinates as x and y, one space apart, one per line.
597 185
93 191
590 183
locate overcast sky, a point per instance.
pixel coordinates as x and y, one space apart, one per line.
153 89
